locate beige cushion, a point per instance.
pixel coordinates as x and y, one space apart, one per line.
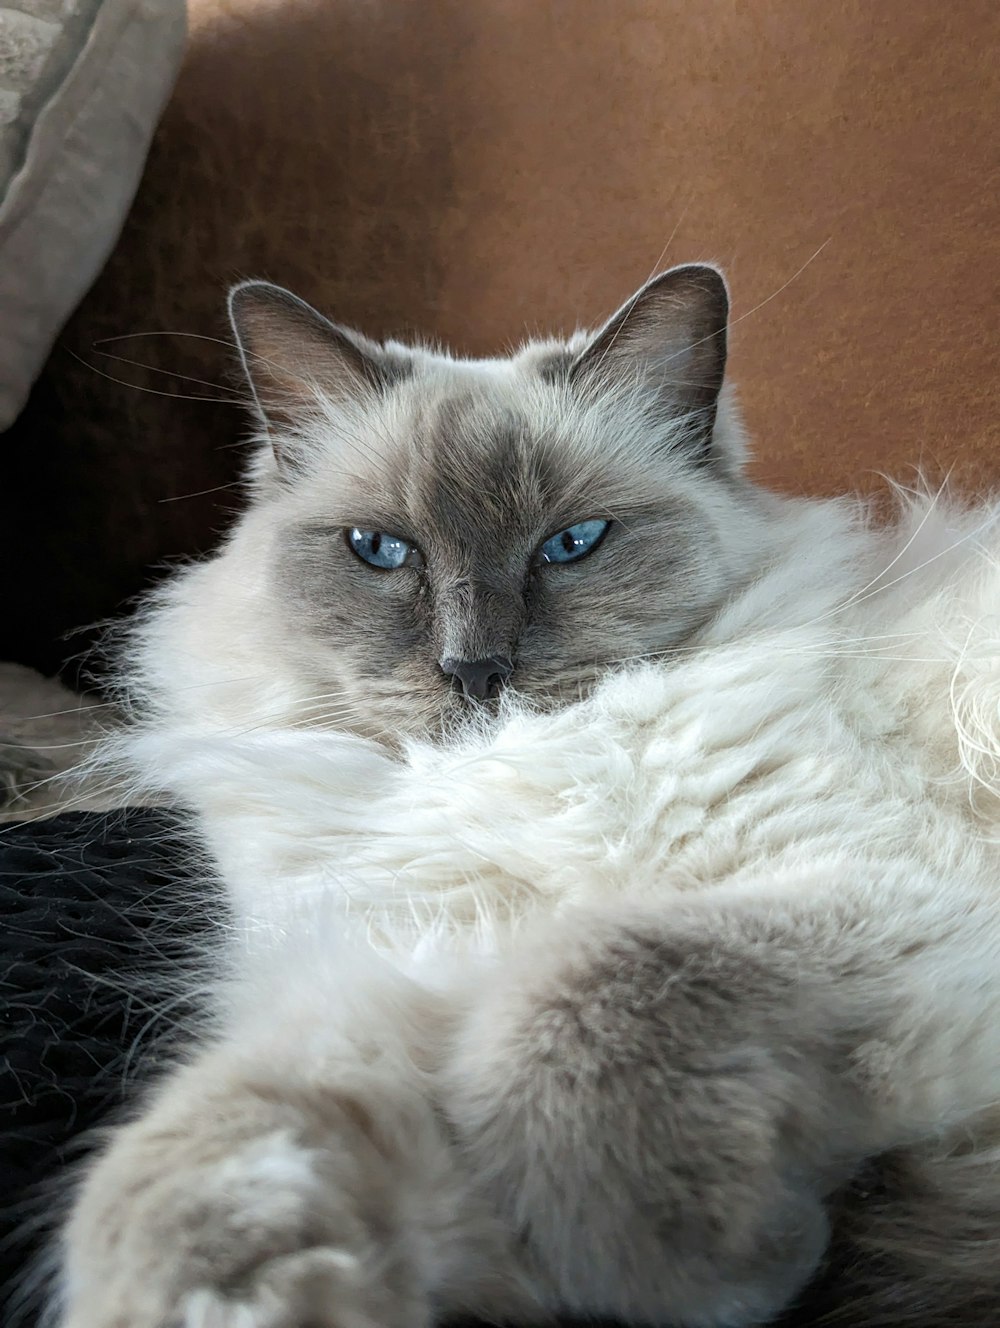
82 84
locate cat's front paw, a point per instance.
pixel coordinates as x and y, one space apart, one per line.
235 1213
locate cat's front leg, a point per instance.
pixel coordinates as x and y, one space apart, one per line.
294 1174
232 1204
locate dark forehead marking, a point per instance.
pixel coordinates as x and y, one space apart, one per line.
394 367
476 463
553 366
471 441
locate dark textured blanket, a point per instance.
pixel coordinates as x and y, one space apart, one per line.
92 921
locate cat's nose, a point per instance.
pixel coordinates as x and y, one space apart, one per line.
480 678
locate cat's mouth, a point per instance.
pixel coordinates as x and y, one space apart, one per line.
462 711
439 709
525 690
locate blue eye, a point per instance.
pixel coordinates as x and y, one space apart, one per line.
383 550
574 542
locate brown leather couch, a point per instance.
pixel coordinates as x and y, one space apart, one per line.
477 169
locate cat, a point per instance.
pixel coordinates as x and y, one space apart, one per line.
612 848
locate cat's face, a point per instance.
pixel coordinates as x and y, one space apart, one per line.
443 530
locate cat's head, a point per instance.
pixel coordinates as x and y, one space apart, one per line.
443 529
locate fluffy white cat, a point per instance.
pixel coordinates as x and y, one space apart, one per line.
613 852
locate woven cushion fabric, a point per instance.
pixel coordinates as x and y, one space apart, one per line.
82 85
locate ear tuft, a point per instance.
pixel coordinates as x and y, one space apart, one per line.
670 337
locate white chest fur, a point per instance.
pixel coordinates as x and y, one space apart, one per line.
671 777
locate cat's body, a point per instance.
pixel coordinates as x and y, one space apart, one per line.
591 998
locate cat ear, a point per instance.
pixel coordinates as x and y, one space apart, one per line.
670 337
293 356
